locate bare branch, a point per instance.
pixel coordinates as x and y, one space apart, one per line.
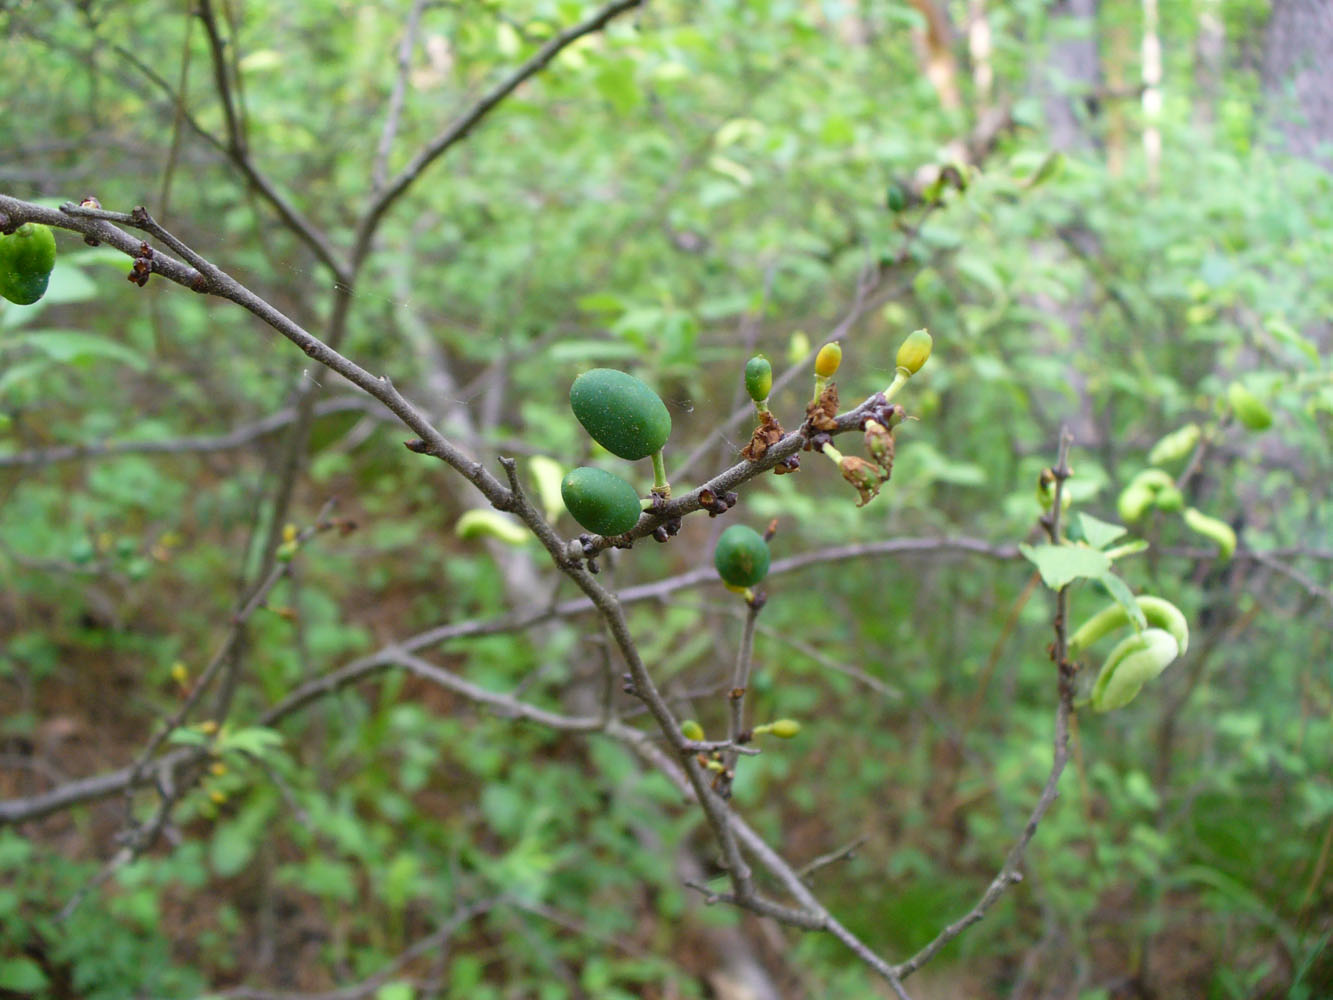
435 941
238 150
237 438
1009 873
302 227
469 120
379 171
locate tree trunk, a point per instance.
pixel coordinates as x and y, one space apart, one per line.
1298 76
1073 76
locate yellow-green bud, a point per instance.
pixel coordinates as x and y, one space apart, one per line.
915 352
692 731
785 729
828 359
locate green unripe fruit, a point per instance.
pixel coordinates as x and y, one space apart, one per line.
758 378
26 260
691 730
601 501
1249 408
741 556
620 413
785 729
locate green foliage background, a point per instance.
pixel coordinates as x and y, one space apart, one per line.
700 181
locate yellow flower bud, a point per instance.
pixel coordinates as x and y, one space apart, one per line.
915 352
785 728
179 674
828 359
289 532
692 731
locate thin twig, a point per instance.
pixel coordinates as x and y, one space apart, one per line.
379 171
469 120
233 439
1009 873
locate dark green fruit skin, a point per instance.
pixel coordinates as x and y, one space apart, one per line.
758 378
741 556
600 501
26 259
620 413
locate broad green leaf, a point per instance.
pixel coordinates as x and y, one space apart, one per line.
22 975
1099 533
73 347
1061 564
232 848
257 741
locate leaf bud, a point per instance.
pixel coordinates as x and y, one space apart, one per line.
915 351
692 731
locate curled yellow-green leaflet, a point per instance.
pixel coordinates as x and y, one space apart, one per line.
1176 446
1135 661
1249 409
1159 614
491 524
1133 502
1213 529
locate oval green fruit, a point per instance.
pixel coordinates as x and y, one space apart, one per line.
600 501
741 556
26 259
620 413
758 378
